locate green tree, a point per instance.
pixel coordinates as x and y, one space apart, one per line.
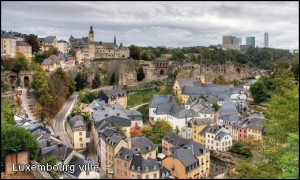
216 106
52 51
145 55
157 131
7 115
259 92
39 57
96 81
19 140
32 40
51 160
20 64
79 82
134 52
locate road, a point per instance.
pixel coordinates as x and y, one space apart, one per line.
60 119
26 105
136 107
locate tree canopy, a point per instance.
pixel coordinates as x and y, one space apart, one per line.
17 139
20 63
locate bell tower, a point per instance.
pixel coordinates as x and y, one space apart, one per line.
91 34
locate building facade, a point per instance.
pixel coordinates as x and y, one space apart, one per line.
250 41
98 50
266 40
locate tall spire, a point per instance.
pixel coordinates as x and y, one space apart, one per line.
115 39
91 30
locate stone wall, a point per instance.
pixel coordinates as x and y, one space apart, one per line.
229 71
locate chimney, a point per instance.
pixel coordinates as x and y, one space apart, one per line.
48 142
129 143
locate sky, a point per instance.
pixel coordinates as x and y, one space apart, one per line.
158 23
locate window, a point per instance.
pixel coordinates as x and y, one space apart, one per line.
125 164
208 141
125 173
80 133
80 139
81 145
217 144
154 176
138 177
147 176
212 141
208 136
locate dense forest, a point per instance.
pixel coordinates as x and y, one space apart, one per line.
254 57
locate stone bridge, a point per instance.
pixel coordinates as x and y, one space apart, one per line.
26 77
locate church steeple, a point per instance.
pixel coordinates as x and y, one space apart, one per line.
115 40
91 30
91 34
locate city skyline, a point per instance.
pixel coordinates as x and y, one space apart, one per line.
171 24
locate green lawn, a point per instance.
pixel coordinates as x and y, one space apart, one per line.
140 97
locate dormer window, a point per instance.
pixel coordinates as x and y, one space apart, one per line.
139 168
132 167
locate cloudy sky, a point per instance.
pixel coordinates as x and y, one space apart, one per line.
171 24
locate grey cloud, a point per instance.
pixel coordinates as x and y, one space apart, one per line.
157 23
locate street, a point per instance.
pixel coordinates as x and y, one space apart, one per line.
26 105
60 119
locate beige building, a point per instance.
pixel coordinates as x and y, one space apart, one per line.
188 161
77 131
111 141
98 50
51 63
227 40
25 49
198 126
8 46
63 46
48 42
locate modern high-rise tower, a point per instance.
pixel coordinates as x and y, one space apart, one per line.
250 41
266 40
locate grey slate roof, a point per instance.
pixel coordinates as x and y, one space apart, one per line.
114 121
139 164
61 153
48 62
77 123
232 118
158 99
111 137
188 82
175 140
125 154
202 121
142 145
76 161
186 157
22 43
228 107
49 39
203 132
220 135
113 93
214 129
252 123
